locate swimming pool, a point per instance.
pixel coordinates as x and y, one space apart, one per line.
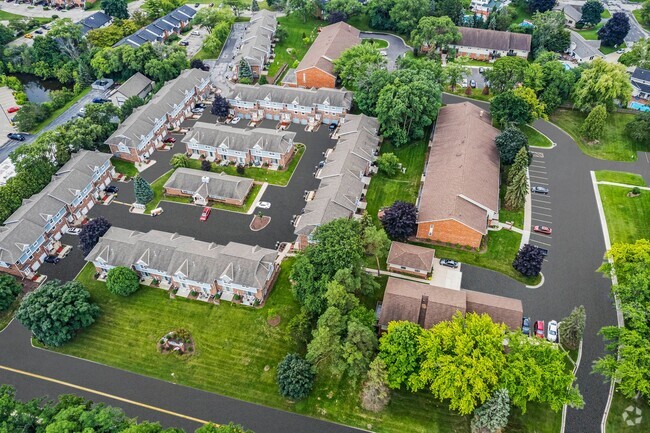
639 106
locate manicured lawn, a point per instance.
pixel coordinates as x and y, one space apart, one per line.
628 218
255 190
473 62
379 43
157 187
8 16
61 110
590 34
125 167
608 50
606 14
620 177
204 54
535 138
293 46
615 421
476 93
614 145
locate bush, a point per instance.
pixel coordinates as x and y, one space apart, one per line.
245 80
241 169
206 165
529 261
388 163
91 232
122 281
636 190
9 289
399 220
295 377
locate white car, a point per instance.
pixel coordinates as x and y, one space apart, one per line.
551 331
235 120
195 33
73 231
264 205
464 82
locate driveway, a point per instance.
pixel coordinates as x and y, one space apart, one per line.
27 10
7 100
396 46
220 68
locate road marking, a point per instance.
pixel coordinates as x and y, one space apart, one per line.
538 154
541 201
541 207
104 394
535 171
543 236
543 221
545 214
540 242
539 177
540 183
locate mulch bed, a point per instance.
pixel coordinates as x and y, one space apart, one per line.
274 321
259 223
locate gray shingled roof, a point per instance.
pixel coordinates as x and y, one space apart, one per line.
134 85
494 40
573 12
94 21
209 184
257 38
173 253
146 34
641 79
270 140
583 48
292 95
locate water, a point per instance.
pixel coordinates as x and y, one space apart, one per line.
36 88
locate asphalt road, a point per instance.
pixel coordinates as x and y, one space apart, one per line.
396 46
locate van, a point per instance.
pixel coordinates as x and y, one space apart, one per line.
157 211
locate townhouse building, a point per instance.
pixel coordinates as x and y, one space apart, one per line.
145 129
137 85
32 233
344 177
195 269
640 80
481 44
206 186
162 28
255 146
256 46
289 104
94 22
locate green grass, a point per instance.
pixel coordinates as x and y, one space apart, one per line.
474 62
519 12
296 31
204 54
590 34
615 421
362 22
614 145
606 14
8 16
255 190
637 15
476 93
57 113
628 218
620 177
608 50
535 138
379 43
127 168
8 314
274 177
158 191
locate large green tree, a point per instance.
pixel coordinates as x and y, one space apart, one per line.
591 11
639 128
295 377
572 328
157 8
406 14
358 61
602 83
211 17
399 348
349 8
376 243
115 8
639 55
9 290
509 142
594 125
519 106
455 72
506 73
142 190
122 281
304 8
435 33
549 33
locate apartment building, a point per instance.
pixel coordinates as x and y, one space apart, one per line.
256 46
206 186
162 28
481 44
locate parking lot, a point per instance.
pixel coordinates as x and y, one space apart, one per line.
195 41
220 68
6 101
542 211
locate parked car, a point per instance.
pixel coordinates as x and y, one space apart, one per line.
38 32
525 325
199 105
544 251
333 126
73 231
198 110
157 211
205 68
100 100
16 136
543 229
620 51
449 263
111 189
13 109
183 43
169 140
206 213
29 36
481 70
473 84
196 5
52 259
45 27
196 33
551 334
539 329
539 190
464 82
235 120
264 205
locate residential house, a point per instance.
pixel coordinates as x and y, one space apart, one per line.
254 146
483 44
67 4
162 28
344 177
194 268
460 194
138 85
32 233
206 186
410 259
641 84
145 129
572 15
256 46
485 7
583 50
94 22
428 305
287 104
316 69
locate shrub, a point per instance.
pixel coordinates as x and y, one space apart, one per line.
241 169
9 289
636 190
529 261
206 165
388 163
122 281
295 377
399 220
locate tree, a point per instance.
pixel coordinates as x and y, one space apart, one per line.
254 6
639 128
400 220
179 160
591 12
572 328
142 190
388 163
515 106
245 71
358 348
644 13
549 33
210 18
6 35
131 103
379 14
295 377
348 8
615 30
506 73
594 125
56 311
459 367
455 72
557 86
115 8
406 14
91 232
325 350
357 61
518 187
220 106
224 428
336 17
157 8
9 290
304 8
492 416
509 142
454 9
375 394
639 55
602 83
529 261
398 348
540 5
206 165
122 281
376 243
435 33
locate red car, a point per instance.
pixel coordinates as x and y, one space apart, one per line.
206 213
169 140
543 229
13 109
539 329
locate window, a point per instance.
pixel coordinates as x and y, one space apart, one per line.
430 229
402 267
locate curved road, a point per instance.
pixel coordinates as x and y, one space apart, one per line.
396 46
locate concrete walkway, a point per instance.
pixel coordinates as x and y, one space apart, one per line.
624 185
373 271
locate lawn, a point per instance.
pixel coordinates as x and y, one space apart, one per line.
8 314
614 145
379 43
293 47
157 187
476 93
608 50
620 177
8 16
535 139
127 168
617 424
628 218
519 12
57 113
274 177
590 34
606 14
255 190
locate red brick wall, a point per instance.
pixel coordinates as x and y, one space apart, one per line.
450 231
314 77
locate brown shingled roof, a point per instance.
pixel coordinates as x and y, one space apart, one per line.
411 256
463 168
328 46
501 309
494 40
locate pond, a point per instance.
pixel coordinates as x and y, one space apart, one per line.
36 88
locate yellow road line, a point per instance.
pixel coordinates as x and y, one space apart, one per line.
103 394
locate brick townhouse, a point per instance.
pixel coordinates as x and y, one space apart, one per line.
162 28
254 146
344 177
171 261
288 104
32 233
484 44
69 3
145 129
256 46
460 194
206 186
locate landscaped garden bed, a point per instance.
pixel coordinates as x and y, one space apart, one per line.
179 341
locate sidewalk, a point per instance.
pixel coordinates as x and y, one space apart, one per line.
624 185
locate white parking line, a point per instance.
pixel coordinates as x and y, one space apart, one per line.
541 207
545 214
540 242
542 221
535 171
540 183
539 177
541 235
541 201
